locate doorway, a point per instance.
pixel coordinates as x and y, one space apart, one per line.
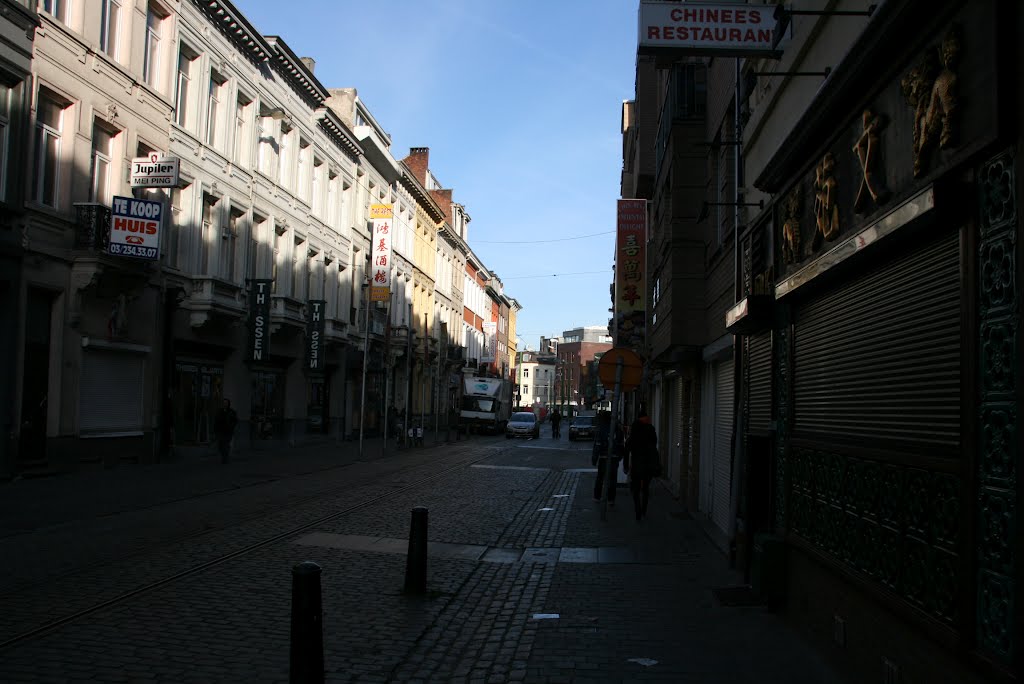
36 376
198 391
267 404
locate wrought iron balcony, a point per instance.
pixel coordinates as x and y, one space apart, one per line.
92 226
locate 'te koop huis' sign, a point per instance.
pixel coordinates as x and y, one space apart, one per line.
733 29
135 228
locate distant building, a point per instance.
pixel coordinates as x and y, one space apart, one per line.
573 352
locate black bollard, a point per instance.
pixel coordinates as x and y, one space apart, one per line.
416 560
307 654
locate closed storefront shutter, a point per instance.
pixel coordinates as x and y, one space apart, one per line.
760 392
879 357
723 444
111 392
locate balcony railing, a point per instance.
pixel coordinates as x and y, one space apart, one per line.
92 226
377 322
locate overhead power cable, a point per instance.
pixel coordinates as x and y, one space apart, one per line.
557 275
535 242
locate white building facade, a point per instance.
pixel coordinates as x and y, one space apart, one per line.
88 347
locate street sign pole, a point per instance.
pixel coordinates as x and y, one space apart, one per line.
609 459
366 360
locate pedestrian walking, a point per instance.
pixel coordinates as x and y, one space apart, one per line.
224 427
556 424
606 455
642 462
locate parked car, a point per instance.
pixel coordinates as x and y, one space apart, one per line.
582 427
522 424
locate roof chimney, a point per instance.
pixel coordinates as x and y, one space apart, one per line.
418 162
309 63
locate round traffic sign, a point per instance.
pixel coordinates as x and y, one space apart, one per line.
632 368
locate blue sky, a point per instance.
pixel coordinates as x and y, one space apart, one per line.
520 105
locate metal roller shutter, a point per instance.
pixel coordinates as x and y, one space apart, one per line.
720 507
879 357
111 392
759 395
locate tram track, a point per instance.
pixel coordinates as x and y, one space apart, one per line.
205 565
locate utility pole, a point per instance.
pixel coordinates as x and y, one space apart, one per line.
387 370
426 365
366 360
442 344
408 377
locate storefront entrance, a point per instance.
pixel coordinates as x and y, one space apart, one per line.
199 389
268 404
318 402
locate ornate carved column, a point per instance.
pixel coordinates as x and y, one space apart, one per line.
999 441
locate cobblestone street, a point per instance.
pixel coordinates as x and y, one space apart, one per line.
525 581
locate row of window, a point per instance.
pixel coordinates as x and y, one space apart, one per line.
114 18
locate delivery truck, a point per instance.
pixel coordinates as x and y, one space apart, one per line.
486 404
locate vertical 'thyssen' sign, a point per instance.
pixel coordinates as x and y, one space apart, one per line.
259 319
315 328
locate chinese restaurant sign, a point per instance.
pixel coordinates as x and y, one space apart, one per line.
698 28
630 276
380 252
490 350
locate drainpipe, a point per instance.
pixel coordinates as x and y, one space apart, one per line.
739 457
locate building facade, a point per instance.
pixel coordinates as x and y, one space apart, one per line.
259 294
98 97
895 483
848 430
18 23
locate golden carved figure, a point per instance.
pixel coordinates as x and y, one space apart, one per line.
791 207
826 211
867 150
931 88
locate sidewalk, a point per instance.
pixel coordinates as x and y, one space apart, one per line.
652 615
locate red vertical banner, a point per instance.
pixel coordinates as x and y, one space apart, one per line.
629 329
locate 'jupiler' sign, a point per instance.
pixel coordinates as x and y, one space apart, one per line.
155 171
135 228
315 328
259 320
694 28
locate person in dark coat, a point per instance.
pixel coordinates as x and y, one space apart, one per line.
641 461
556 422
224 427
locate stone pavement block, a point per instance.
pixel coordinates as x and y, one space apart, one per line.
502 555
535 555
616 554
577 555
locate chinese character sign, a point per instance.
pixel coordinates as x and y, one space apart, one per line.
380 252
489 353
631 274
